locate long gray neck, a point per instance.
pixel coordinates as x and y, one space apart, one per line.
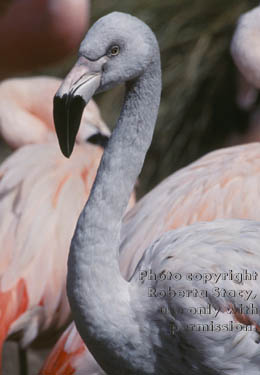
99 296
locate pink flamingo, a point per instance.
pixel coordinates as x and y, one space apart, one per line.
26 112
246 57
244 46
36 186
35 33
222 184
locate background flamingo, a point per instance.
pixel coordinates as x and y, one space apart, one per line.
26 106
215 186
244 46
35 188
35 33
246 56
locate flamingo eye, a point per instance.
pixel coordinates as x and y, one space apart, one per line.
114 51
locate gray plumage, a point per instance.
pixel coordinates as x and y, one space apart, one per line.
120 323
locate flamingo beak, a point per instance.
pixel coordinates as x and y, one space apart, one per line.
70 100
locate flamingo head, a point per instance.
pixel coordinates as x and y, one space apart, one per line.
109 55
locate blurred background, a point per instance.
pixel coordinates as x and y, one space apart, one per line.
198 111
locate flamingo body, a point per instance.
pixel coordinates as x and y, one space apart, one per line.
215 186
35 196
71 356
36 183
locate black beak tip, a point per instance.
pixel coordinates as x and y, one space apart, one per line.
67 113
66 152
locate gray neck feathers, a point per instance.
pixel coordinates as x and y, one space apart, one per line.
98 294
